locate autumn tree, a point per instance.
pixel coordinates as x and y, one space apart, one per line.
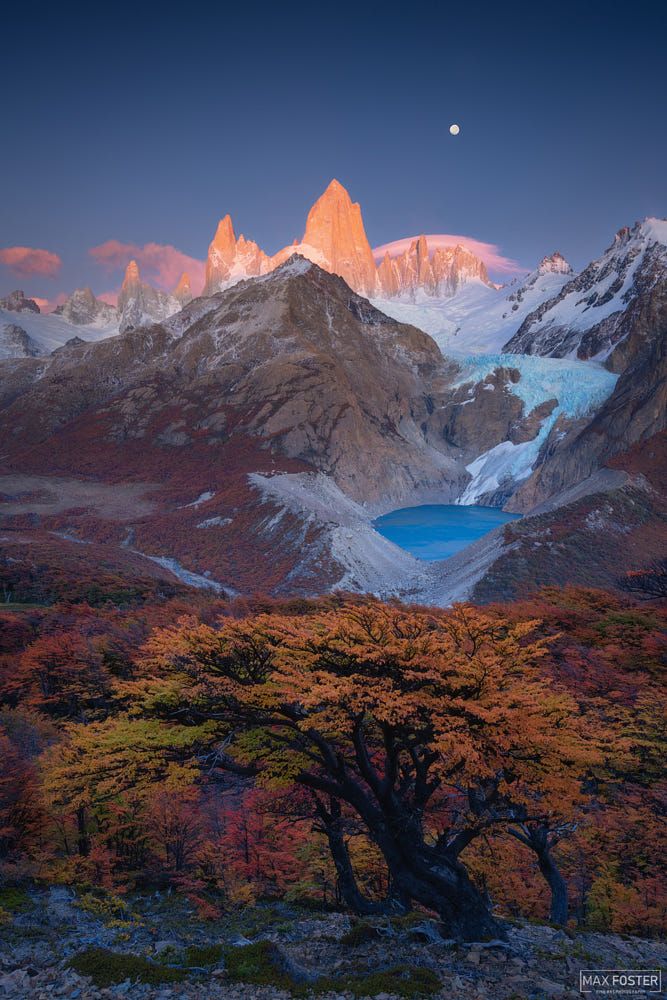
98 765
61 674
385 710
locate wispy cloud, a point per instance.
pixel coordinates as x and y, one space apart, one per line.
159 263
24 261
488 252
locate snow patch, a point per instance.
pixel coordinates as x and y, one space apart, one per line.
184 575
202 498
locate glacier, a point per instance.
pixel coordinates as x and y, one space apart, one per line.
579 386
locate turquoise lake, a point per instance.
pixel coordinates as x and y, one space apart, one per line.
437 531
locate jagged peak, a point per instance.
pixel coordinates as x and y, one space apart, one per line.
650 229
17 301
554 263
132 275
224 232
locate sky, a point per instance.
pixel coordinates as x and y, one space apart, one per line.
143 125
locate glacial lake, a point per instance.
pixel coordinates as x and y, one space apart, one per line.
437 531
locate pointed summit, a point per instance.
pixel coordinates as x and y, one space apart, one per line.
555 263
132 276
335 229
182 292
221 254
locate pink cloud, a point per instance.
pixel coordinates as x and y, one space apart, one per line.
29 260
111 298
159 263
48 305
488 252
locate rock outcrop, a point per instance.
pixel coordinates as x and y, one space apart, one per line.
139 303
16 343
437 273
17 302
82 308
183 292
230 260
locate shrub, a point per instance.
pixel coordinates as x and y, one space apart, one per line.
107 968
360 933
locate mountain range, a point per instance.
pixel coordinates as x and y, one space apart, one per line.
245 439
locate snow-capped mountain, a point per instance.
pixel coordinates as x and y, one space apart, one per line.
608 310
335 239
43 333
140 304
479 318
15 342
82 308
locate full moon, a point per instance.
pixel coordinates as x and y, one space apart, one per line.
454 130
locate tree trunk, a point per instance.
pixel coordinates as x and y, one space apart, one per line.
559 903
348 888
350 893
420 873
83 842
537 839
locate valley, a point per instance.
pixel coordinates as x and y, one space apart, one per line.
301 411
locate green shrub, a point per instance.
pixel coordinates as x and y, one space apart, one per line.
262 964
259 963
408 981
107 968
15 900
203 955
360 933
109 908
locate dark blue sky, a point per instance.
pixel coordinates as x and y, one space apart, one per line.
145 124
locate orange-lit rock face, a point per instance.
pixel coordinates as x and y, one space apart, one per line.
335 239
439 273
183 293
230 259
388 277
132 277
221 253
335 230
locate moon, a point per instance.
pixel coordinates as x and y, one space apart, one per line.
454 129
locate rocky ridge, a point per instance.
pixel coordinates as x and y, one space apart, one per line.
607 311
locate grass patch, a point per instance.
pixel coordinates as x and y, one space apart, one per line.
262 964
203 955
107 968
15 900
406 981
360 933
